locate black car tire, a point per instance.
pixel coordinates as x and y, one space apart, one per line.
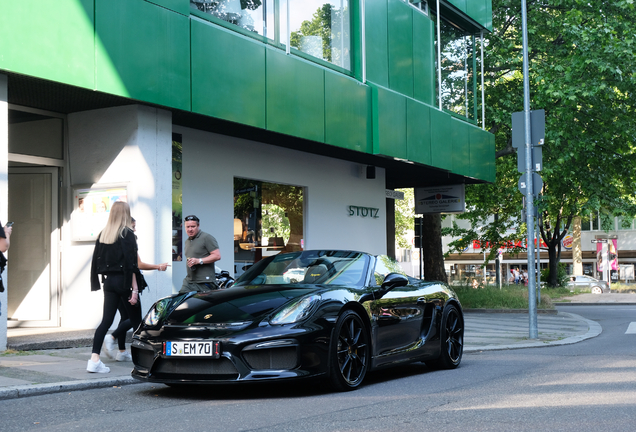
451 340
349 352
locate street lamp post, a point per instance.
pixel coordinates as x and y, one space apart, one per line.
532 296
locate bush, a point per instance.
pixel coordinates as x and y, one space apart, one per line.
562 275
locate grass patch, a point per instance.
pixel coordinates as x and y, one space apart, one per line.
508 297
623 288
14 352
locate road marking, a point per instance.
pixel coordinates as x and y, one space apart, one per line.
631 329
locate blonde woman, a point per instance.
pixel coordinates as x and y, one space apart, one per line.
119 334
115 259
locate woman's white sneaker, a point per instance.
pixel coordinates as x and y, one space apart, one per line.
108 347
98 367
124 356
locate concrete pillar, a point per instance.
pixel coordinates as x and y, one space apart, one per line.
4 192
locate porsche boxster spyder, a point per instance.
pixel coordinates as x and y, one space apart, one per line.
317 313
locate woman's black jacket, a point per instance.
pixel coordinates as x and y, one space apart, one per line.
119 257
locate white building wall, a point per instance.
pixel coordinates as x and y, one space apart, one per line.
130 145
211 161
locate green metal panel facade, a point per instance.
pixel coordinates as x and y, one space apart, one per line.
347 113
55 42
423 59
400 26
460 137
389 122
142 52
181 6
418 132
155 51
479 10
441 141
231 90
376 35
295 96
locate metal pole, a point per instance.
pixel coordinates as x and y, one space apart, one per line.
288 48
439 56
484 271
538 262
363 25
532 295
483 91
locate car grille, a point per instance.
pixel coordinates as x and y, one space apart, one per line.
204 368
273 358
143 357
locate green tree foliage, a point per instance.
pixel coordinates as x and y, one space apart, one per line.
404 214
581 61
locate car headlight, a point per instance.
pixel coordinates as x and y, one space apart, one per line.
296 311
157 312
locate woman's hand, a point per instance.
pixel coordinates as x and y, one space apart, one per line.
163 267
134 298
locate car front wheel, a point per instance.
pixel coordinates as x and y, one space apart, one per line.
349 352
451 339
597 290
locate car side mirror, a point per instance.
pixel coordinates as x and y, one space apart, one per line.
394 280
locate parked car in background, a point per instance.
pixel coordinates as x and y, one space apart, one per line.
587 282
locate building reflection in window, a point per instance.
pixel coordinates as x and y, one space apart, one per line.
318 28
268 219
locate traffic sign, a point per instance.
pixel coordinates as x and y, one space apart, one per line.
537 128
537 184
537 159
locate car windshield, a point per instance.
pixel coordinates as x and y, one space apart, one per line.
308 267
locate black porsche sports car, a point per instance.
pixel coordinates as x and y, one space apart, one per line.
337 314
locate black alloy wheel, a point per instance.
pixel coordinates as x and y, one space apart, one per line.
451 339
349 353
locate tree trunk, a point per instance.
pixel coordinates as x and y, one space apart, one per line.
553 266
433 257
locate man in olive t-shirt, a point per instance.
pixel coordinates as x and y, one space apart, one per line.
201 251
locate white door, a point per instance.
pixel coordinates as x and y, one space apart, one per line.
33 268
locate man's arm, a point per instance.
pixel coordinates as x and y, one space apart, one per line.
214 256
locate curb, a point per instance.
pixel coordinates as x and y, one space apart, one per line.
22 391
594 304
594 329
498 311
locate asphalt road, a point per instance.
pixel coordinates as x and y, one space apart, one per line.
588 386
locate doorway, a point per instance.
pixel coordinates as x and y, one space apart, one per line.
33 269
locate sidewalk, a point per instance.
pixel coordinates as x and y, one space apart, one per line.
54 360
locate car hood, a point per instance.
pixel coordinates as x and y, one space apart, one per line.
237 304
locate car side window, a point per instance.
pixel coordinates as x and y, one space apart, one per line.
383 266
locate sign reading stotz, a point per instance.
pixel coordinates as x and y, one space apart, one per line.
440 199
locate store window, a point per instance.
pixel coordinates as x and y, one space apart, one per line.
252 15
457 67
322 30
421 5
318 28
268 219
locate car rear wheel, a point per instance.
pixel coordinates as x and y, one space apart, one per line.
349 352
451 339
597 290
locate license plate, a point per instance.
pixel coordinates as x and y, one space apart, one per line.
193 349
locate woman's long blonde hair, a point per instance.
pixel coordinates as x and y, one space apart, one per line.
118 220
